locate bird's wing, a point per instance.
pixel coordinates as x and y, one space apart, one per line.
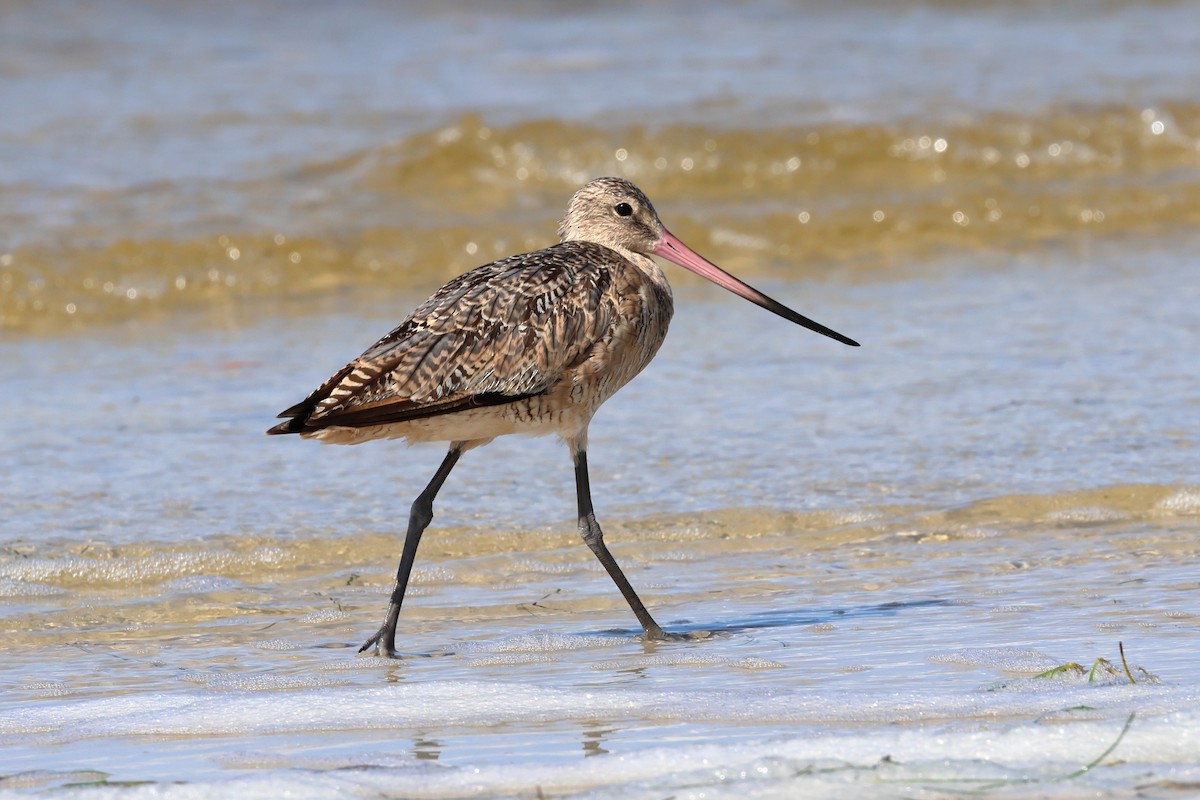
502 332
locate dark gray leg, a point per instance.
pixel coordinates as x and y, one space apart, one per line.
418 520
590 530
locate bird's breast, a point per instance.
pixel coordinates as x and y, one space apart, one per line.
641 314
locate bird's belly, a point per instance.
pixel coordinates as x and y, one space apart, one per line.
533 416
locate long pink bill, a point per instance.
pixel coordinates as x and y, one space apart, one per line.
677 252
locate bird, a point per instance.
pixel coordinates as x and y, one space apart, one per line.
529 344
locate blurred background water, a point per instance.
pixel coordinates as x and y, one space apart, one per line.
206 209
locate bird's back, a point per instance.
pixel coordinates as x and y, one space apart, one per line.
504 333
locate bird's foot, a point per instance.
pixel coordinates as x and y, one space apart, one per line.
657 634
383 645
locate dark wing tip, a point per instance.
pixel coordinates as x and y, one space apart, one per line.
301 412
300 409
296 417
294 425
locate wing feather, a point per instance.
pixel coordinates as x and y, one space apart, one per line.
505 331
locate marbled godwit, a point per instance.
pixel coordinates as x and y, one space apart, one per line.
529 344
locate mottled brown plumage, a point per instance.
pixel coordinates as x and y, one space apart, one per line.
532 344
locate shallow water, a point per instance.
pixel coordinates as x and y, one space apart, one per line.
885 546
876 549
169 159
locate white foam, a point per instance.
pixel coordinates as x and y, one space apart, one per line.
142 568
1186 501
277 644
1006 659
257 682
687 659
313 705
324 615
1026 757
48 688
857 517
19 588
200 584
1085 514
537 566
541 643
1013 609
511 659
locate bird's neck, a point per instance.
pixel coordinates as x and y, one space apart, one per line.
649 267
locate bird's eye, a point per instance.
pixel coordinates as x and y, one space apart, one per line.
623 209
